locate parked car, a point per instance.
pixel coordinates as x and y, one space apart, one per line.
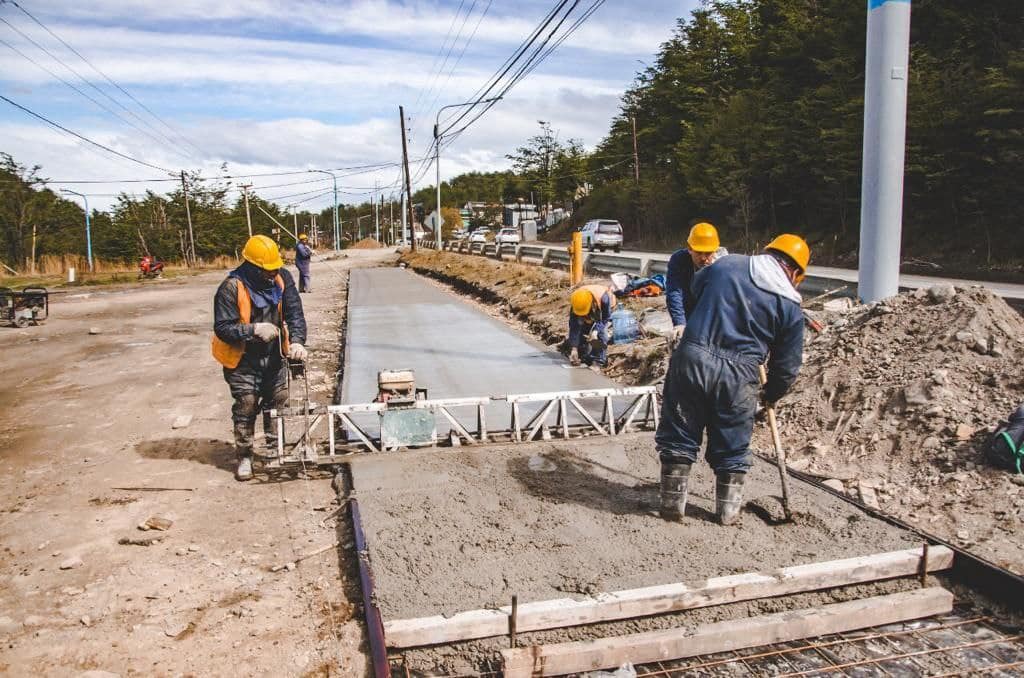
602 234
507 236
479 235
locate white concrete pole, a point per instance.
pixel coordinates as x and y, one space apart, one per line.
405 211
885 134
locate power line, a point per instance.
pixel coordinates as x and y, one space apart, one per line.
78 75
107 78
83 138
84 94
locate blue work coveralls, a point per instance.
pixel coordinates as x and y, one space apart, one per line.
580 328
679 286
746 311
303 254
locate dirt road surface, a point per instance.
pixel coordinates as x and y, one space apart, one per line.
82 414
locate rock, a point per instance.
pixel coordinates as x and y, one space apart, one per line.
156 523
799 464
147 539
838 305
931 443
182 421
980 347
86 620
867 495
964 337
964 432
72 591
997 352
916 394
934 411
193 547
71 563
963 535
8 625
95 330
940 377
820 449
834 484
289 566
941 293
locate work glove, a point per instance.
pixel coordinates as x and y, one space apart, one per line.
574 357
265 332
677 333
297 352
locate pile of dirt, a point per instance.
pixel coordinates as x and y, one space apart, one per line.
366 244
538 298
896 401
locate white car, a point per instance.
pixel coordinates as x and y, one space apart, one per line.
479 235
507 236
602 234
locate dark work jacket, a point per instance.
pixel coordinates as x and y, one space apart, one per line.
739 320
227 324
679 286
578 326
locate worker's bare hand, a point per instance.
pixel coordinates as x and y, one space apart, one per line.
265 332
574 357
297 352
677 333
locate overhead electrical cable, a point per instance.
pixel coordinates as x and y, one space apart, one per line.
84 138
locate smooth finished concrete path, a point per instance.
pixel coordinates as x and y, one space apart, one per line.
397 320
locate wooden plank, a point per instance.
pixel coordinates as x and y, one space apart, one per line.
652 600
678 643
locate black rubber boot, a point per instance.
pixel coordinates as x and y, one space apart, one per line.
728 496
674 480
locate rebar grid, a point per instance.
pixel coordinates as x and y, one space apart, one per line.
791 662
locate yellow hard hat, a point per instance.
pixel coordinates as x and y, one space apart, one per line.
703 238
261 251
582 302
303 237
793 246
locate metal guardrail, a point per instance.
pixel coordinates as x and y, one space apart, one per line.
616 263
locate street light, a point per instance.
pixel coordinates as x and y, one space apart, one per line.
337 228
437 158
88 232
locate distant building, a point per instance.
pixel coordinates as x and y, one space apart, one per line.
516 212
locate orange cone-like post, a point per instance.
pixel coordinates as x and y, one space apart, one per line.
576 258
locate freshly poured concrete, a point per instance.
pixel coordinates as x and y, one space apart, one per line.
397 320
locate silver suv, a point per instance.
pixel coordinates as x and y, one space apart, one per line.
602 234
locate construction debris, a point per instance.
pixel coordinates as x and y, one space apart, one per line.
366 244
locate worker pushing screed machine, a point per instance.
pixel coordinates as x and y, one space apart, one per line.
747 311
258 323
702 249
590 312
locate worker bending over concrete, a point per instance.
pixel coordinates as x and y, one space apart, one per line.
590 314
303 255
747 311
257 322
702 248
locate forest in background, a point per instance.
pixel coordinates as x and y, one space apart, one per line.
750 116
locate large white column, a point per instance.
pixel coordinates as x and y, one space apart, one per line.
885 133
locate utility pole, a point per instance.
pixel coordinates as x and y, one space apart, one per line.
248 218
295 221
885 136
376 214
33 248
188 215
391 217
312 229
408 184
404 215
88 228
636 153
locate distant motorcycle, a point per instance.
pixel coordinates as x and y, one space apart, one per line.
150 267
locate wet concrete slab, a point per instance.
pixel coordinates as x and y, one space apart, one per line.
397 320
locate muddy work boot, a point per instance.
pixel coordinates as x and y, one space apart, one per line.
674 480
728 496
244 470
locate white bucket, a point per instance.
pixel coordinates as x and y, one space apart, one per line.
71 274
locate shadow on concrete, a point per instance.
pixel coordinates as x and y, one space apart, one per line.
218 453
561 476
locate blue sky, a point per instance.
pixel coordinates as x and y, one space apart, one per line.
280 86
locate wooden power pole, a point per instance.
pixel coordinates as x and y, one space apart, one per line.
188 215
408 184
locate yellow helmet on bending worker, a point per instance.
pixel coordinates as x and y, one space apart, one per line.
590 310
794 247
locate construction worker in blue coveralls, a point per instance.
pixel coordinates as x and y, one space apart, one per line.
702 248
590 312
303 255
747 311
257 322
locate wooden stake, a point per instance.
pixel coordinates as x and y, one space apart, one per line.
727 636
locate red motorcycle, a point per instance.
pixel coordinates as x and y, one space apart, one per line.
150 267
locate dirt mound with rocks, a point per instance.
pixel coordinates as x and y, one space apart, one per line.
366 244
896 401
